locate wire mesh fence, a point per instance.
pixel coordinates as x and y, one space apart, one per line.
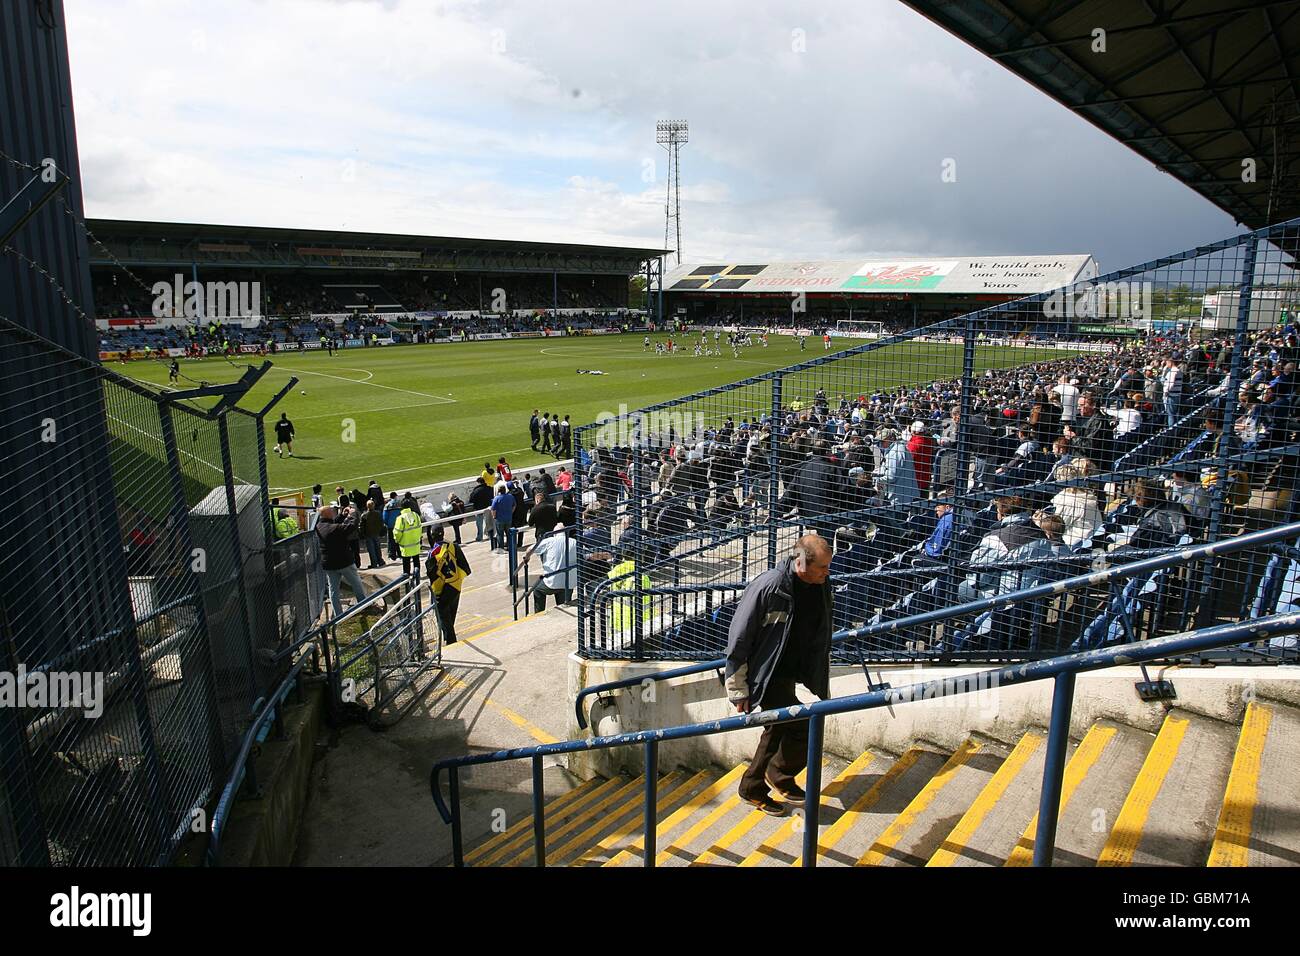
1128 414
143 608
386 651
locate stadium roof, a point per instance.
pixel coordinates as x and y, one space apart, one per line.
1195 86
168 243
939 275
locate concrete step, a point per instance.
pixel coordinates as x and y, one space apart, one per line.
520 835
681 819
782 847
1170 813
606 794
756 828
1097 779
715 827
919 829
633 827
570 841
987 833
1259 821
845 839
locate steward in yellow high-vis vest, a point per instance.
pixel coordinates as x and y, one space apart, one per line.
286 526
406 532
622 607
447 568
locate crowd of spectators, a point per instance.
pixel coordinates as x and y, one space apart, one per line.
878 470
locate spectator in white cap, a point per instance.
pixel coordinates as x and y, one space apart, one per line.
896 477
922 448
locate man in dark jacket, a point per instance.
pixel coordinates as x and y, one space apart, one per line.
818 488
535 429
544 516
780 635
337 533
1090 434
480 497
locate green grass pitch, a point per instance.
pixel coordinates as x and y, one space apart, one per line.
426 413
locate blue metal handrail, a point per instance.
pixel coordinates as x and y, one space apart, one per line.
1181 556
1062 669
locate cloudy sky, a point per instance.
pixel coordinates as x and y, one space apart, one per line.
817 128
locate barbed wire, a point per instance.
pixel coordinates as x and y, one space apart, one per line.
52 280
18 162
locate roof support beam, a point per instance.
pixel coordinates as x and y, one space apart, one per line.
1157 23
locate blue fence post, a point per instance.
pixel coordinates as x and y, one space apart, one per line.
1058 742
180 522
960 506
812 800
638 624
1228 416
453 793
584 611
773 471
651 786
539 813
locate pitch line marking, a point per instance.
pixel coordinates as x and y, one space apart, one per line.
592 350
365 411
353 381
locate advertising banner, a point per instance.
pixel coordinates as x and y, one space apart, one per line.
246 349
353 343
311 345
891 276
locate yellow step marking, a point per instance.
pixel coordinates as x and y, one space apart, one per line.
767 849
493 630
467 631
713 856
600 793
634 806
677 847
903 822
577 796
1085 756
598 808
1232 837
993 791
682 813
1124 838
622 832
836 831
523 723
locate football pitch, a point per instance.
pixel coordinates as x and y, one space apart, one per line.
417 414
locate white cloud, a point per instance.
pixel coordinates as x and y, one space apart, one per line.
461 118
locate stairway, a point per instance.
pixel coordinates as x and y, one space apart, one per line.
1200 792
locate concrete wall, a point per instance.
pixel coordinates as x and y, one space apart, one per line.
264 831
1003 713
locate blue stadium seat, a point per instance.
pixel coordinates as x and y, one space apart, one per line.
1108 627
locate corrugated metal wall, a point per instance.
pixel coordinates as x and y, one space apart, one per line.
36 122
62 572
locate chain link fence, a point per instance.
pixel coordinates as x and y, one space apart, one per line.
1129 414
144 606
